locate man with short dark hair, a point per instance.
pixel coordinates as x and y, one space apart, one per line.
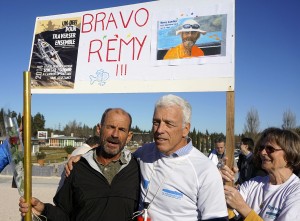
104 184
246 165
217 155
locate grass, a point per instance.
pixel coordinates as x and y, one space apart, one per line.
53 155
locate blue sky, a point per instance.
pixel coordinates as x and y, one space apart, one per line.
267 68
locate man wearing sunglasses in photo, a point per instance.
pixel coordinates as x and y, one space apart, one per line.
190 32
276 196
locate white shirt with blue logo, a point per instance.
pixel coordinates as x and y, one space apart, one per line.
273 202
185 186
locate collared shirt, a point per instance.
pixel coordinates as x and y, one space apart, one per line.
110 170
249 155
182 151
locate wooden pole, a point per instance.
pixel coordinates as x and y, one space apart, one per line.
230 129
27 143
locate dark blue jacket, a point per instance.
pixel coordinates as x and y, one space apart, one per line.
4 155
87 196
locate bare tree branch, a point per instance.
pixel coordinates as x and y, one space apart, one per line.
251 127
289 120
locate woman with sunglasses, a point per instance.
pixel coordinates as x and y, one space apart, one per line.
277 195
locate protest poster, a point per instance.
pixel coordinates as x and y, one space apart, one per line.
122 49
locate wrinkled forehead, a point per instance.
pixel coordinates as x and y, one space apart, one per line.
168 110
117 117
220 145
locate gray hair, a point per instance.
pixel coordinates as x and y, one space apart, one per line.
173 100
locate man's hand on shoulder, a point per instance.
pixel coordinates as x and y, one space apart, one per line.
69 165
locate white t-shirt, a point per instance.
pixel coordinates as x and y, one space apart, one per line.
273 202
187 187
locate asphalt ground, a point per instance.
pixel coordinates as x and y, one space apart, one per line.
43 188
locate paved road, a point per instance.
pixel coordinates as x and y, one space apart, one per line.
43 188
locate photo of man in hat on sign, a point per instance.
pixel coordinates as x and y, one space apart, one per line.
190 32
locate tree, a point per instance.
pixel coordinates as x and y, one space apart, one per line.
69 149
72 127
40 155
199 141
19 119
207 141
38 123
289 120
87 131
251 127
75 128
2 129
193 136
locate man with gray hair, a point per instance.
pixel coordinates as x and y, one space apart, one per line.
178 181
189 32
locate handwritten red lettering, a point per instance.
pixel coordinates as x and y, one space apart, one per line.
114 46
136 17
92 22
141 46
100 19
123 69
109 48
126 43
111 19
95 48
87 24
134 44
125 25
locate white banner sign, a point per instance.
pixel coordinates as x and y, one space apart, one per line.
150 47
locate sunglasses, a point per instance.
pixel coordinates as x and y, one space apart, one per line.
269 149
194 26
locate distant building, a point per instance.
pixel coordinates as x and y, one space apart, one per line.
138 140
62 141
54 141
142 138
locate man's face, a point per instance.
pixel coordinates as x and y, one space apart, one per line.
114 133
244 148
169 133
189 38
220 147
